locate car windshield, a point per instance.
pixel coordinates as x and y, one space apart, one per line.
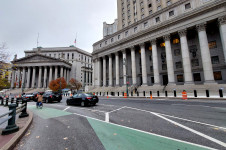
88 94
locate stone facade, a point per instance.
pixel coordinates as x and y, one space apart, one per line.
41 65
163 55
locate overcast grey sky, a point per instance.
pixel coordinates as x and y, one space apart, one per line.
56 21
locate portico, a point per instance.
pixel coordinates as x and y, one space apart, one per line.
37 71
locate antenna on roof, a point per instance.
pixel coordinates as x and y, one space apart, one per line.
75 39
37 40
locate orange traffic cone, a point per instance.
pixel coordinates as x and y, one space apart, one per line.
151 96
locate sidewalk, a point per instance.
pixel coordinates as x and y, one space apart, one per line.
8 142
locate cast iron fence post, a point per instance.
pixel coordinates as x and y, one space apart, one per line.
12 127
24 111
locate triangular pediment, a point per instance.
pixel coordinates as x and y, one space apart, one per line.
36 58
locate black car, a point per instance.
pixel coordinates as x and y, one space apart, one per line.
28 97
49 97
82 99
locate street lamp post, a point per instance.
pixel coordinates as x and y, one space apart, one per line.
127 83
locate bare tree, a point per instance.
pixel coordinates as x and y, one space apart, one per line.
75 85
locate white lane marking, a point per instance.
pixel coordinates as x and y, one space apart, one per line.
106 105
147 132
193 121
176 117
66 108
117 109
93 110
192 130
198 106
107 117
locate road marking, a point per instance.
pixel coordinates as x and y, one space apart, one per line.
200 106
176 117
106 105
107 117
192 130
66 108
145 132
193 121
94 110
117 109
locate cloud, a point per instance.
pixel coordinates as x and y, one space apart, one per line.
57 22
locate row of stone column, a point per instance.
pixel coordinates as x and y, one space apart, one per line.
31 77
87 78
205 55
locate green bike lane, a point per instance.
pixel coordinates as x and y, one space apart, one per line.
113 136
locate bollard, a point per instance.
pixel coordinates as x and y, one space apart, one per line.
12 100
17 102
12 127
2 102
24 111
6 102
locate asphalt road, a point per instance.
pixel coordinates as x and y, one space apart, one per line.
134 123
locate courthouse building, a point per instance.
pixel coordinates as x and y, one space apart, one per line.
163 47
42 65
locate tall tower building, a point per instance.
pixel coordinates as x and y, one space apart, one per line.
130 11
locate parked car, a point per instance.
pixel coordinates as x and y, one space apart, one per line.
28 97
82 99
49 97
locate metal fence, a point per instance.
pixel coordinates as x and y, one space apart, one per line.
16 106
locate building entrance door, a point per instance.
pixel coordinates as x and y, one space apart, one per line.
165 79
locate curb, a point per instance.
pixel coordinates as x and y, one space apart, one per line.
12 143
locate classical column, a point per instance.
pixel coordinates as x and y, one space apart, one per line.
186 57
222 27
45 77
50 74
205 54
23 78
99 71
56 72
33 77
104 71
110 70
94 73
40 77
68 75
18 82
169 60
133 60
87 77
143 64
90 78
13 79
61 71
155 62
28 77
65 74
117 68
124 66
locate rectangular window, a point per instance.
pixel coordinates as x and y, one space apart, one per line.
215 60
151 68
178 65
195 62
212 44
145 24
164 67
217 75
197 77
180 78
187 6
157 19
135 29
126 33
171 13
177 52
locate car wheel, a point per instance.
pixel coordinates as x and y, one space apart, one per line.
67 103
94 104
83 104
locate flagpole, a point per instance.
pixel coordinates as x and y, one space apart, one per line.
76 39
37 40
